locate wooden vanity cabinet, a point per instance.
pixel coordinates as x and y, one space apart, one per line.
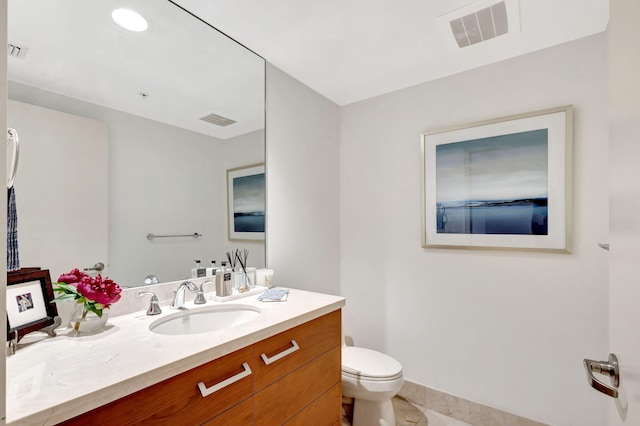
240 415
295 368
295 380
177 400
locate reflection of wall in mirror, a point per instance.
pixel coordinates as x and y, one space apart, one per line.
162 180
61 188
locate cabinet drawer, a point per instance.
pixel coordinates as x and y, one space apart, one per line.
278 355
324 411
285 398
240 415
178 400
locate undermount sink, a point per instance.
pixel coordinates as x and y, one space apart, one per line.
204 319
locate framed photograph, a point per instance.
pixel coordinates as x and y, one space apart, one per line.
246 202
28 295
504 183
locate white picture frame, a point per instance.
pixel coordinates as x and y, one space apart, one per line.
504 183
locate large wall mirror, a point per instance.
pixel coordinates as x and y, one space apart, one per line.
128 133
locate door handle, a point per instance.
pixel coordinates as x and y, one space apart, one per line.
98 267
608 368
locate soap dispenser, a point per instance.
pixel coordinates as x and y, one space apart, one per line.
227 282
198 271
223 281
211 270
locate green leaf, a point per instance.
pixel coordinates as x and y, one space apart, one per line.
65 288
64 297
93 308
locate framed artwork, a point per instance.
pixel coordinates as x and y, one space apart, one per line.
29 293
246 202
504 183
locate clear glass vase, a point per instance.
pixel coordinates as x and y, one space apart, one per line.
85 321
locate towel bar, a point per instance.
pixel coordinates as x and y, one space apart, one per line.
152 236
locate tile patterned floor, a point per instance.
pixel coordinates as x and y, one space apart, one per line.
409 415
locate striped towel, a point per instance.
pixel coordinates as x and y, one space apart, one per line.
13 258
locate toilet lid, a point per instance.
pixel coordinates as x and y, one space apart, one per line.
368 363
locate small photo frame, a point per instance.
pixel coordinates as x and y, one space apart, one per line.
29 293
504 183
246 202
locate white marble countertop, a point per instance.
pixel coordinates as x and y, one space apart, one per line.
58 378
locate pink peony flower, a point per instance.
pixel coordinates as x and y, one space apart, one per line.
72 277
99 290
94 293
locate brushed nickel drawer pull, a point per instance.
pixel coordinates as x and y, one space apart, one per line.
205 391
294 347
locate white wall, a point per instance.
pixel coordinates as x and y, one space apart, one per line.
61 188
3 200
162 181
302 185
505 329
235 152
144 198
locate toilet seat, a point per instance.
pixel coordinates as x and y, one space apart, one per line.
367 364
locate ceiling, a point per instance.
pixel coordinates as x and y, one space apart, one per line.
187 69
349 50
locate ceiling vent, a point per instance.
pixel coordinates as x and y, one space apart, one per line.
218 120
482 21
16 51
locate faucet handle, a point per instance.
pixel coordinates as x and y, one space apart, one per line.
154 307
200 300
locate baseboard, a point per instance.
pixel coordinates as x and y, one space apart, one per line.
459 408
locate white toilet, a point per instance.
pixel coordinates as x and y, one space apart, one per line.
371 378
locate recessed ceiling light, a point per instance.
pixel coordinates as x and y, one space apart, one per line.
129 19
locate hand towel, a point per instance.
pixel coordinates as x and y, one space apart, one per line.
13 258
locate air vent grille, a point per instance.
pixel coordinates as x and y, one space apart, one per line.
16 51
218 120
482 25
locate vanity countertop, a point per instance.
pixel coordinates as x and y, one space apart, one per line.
58 378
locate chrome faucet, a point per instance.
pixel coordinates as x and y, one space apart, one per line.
178 298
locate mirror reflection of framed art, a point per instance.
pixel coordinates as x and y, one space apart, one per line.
29 307
246 202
